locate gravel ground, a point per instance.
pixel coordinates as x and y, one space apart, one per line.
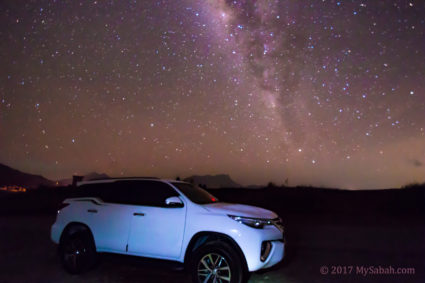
28 255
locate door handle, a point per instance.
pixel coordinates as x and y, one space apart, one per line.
138 214
92 210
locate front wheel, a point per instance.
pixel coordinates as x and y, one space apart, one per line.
217 262
77 252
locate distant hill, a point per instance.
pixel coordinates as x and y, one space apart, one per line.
10 176
254 187
213 181
95 176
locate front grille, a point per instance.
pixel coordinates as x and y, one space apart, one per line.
279 225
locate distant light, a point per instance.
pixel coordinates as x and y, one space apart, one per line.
299 150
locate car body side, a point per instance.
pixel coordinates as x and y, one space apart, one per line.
196 219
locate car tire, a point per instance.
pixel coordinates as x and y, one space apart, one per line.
217 260
77 252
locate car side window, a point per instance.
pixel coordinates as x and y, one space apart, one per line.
133 192
149 193
104 191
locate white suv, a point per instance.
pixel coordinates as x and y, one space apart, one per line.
165 219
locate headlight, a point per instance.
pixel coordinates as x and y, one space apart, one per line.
257 223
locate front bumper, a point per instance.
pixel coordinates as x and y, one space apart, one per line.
250 241
276 254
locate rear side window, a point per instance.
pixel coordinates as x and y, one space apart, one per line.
104 191
149 193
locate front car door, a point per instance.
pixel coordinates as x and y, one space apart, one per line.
156 230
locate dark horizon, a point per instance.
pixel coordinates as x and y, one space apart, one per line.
203 180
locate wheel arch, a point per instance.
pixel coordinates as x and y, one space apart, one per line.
73 227
204 237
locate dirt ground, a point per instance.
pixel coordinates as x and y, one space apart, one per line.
28 255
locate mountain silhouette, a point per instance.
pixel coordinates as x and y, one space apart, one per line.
213 181
10 176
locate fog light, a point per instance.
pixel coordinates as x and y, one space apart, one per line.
265 250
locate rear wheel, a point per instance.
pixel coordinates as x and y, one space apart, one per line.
77 252
217 262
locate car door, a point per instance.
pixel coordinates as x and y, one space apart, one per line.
156 230
109 218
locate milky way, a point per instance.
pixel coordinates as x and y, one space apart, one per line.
324 93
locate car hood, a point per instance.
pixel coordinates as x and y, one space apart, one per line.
239 210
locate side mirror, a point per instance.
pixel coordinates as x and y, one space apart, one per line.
174 202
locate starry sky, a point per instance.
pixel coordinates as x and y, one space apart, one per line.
324 92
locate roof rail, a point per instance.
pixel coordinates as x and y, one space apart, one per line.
124 178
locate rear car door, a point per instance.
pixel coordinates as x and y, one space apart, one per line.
110 218
156 229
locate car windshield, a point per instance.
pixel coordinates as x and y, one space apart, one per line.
195 194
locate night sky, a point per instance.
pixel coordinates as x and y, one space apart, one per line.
323 93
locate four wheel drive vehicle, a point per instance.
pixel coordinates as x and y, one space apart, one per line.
171 220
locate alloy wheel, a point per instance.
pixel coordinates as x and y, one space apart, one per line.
213 268
74 253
